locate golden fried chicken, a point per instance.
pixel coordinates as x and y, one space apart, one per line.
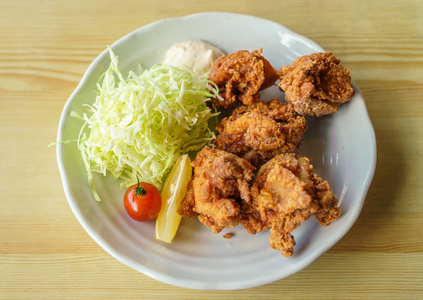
221 181
285 193
316 84
260 131
240 76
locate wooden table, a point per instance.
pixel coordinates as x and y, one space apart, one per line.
45 48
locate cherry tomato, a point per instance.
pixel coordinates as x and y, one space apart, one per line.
142 201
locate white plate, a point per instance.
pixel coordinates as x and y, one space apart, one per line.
341 147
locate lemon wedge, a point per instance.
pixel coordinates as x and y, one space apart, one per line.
173 192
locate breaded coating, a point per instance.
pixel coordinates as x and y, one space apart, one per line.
240 76
316 84
260 131
221 182
285 193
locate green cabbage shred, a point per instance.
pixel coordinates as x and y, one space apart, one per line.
140 126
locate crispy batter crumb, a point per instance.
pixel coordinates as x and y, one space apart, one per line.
228 235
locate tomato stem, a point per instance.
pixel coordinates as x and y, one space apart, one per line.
139 190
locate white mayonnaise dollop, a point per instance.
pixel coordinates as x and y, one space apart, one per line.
195 54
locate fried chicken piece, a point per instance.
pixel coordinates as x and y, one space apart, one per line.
240 76
221 181
316 84
260 131
285 193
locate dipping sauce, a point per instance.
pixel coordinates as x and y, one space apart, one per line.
194 54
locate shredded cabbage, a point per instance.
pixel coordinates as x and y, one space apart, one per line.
141 125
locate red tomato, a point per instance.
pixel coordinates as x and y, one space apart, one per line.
142 201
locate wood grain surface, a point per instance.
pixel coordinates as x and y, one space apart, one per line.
45 48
